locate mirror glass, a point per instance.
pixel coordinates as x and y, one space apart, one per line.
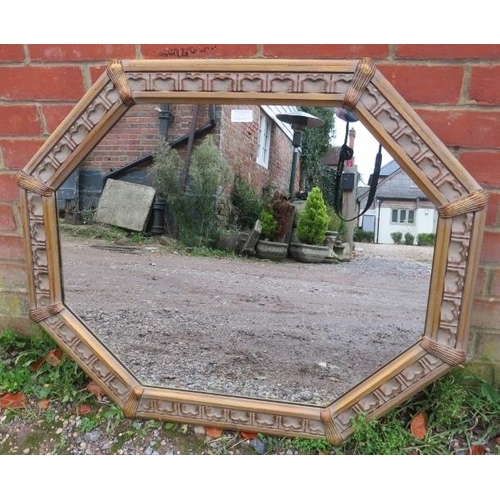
238 324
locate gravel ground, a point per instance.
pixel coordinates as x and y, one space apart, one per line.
288 308
285 331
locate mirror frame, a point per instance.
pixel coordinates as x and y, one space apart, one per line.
355 85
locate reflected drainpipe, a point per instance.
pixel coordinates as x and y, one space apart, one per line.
379 202
158 221
164 118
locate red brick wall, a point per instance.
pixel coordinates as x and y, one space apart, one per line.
455 88
133 137
136 135
239 142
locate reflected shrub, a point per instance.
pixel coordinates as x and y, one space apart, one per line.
426 239
363 236
409 238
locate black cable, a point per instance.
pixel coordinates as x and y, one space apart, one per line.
346 153
371 194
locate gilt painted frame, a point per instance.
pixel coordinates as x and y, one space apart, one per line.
356 85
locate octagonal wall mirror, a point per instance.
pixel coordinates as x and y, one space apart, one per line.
287 331
356 86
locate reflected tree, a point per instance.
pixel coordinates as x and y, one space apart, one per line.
316 143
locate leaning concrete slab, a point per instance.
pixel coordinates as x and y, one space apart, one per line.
125 204
249 245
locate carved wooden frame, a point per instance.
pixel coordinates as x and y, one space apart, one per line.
356 85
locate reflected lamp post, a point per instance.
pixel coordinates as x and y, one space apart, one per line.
299 120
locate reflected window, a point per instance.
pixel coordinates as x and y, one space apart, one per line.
403 216
264 141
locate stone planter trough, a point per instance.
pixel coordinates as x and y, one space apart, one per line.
309 253
272 250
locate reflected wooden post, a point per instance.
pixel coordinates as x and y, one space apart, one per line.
350 182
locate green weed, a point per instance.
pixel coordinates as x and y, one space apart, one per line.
113 416
204 251
18 357
98 231
309 446
386 436
49 416
88 423
461 410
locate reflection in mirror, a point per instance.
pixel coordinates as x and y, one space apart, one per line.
240 325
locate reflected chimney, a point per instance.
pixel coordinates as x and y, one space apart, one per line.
352 136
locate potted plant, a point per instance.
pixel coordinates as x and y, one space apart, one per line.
276 219
312 225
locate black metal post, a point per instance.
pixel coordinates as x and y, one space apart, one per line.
299 121
158 222
297 145
292 174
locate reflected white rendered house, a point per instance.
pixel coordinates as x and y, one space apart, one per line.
399 206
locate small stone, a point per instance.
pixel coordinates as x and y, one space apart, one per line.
199 430
322 364
92 436
59 430
107 445
258 445
26 451
306 396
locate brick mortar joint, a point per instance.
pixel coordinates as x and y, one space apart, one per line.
12 262
10 234
487 300
15 290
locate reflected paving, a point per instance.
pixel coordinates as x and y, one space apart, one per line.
288 331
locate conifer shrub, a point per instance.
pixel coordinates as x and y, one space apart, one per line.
247 204
269 224
314 219
193 207
208 176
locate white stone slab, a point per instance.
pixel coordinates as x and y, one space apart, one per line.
125 204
